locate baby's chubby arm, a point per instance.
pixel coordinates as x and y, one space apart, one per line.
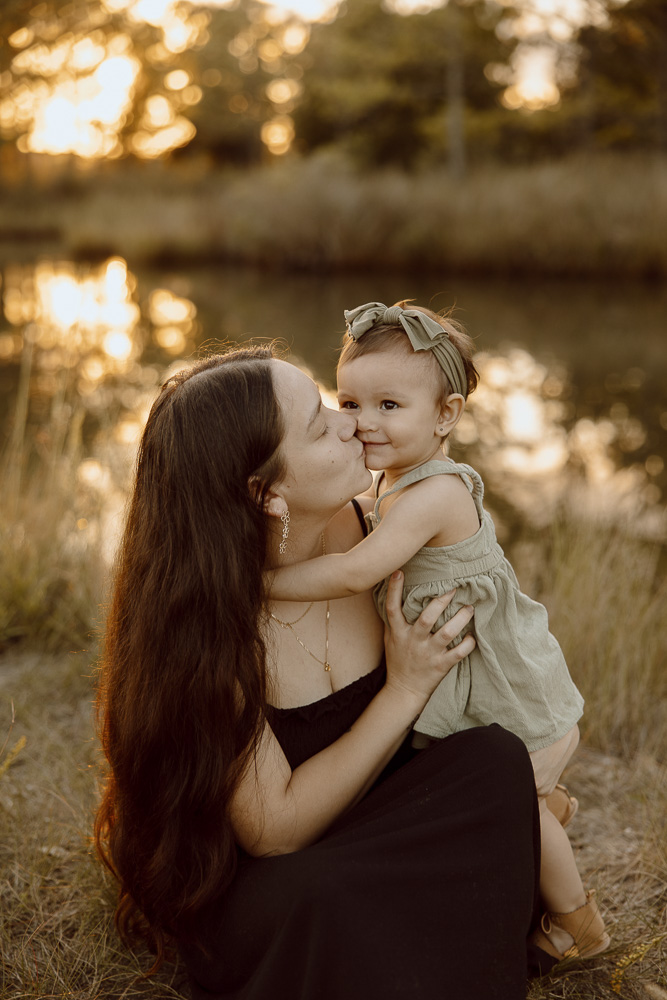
418 515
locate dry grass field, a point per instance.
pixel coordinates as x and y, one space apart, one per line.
583 216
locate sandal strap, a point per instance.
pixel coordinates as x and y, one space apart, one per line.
584 925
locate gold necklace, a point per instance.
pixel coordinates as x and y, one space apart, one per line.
325 662
289 624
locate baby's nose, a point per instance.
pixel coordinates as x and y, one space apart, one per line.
365 420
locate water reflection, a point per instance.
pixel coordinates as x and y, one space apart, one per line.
90 343
521 430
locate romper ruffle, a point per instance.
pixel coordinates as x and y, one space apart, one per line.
516 675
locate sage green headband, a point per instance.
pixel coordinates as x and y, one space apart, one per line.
424 333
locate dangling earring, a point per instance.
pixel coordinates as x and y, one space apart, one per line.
284 517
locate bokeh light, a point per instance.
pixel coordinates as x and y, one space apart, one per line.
535 87
74 92
173 319
91 318
515 428
278 134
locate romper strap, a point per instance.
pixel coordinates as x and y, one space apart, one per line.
435 467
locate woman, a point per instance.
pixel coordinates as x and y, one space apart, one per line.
261 809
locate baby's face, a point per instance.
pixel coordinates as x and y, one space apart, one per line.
397 408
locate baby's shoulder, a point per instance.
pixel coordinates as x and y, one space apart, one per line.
448 484
434 496
444 502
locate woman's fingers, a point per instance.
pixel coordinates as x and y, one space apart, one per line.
433 610
429 615
463 649
394 602
456 623
417 657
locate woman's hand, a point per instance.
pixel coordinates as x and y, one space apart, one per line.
417 658
275 810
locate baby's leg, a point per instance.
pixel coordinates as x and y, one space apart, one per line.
550 762
560 884
561 887
572 924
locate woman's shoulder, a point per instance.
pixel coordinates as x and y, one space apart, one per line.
345 527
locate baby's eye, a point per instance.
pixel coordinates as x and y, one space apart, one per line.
388 404
347 404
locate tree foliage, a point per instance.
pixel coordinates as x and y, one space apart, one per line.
621 89
377 82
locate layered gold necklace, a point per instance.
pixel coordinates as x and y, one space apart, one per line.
290 625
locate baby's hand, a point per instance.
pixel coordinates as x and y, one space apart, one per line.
279 583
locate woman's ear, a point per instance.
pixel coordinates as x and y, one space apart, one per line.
274 505
450 414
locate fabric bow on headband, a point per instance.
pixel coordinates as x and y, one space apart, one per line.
424 333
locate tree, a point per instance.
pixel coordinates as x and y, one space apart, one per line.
622 89
249 71
377 82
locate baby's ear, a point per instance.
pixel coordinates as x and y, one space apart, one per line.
273 504
450 414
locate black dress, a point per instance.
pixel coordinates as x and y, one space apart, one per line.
426 888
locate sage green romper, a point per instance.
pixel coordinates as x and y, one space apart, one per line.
516 675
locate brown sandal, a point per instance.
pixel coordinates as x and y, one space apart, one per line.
563 805
584 925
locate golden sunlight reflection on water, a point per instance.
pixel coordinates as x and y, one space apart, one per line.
84 318
94 345
515 429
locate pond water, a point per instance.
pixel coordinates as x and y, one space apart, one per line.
571 408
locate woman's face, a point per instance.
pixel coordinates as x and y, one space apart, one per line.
323 458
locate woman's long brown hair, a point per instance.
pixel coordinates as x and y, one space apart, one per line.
182 688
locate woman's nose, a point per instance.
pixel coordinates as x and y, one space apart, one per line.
347 425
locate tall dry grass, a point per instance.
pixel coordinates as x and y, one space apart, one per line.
586 215
56 932
581 216
53 573
606 592
607 597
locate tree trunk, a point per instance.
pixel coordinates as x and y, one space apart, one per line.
456 148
